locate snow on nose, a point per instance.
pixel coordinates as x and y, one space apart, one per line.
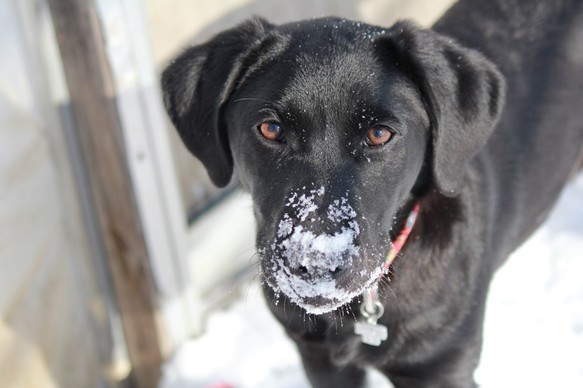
308 262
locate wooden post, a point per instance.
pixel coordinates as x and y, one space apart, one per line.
96 117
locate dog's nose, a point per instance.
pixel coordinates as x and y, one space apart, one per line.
315 272
300 271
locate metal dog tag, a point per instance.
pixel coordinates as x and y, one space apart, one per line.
371 333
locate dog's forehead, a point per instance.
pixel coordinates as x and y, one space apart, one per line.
330 50
330 66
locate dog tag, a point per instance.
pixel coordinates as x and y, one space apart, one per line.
371 333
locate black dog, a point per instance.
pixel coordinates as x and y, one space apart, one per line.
343 133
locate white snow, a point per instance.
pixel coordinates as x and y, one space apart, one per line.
340 210
304 204
329 247
533 331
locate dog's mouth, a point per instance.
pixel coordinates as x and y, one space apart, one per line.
317 296
322 271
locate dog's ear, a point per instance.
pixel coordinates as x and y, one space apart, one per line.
196 85
463 93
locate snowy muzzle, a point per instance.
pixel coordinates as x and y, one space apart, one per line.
311 267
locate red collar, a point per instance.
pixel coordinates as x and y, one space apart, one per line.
397 245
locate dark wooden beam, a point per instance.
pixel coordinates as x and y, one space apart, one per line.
97 120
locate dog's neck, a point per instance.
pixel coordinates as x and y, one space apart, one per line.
371 309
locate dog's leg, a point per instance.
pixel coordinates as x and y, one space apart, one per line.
322 373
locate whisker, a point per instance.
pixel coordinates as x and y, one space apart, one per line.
352 312
250 284
292 315
254 258
332 324
314 323
392 291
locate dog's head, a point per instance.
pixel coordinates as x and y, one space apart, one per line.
334 127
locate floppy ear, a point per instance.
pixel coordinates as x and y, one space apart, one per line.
197 84
464 94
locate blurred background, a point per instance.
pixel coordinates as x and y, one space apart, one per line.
115 248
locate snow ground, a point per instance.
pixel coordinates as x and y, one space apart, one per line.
533 331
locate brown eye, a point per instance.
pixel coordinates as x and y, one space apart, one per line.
271 131
378 135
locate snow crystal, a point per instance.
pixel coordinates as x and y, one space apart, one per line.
304 204
285 226
340 210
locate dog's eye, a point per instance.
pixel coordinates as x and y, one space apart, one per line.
378 135
271 131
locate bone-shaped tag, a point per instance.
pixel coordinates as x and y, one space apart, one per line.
371 333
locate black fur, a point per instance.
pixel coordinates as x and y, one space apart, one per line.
486 111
